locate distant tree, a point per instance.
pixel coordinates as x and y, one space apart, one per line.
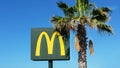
83 14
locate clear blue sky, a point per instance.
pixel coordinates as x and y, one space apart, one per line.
17 17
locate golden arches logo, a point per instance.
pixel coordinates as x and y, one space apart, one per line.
50 43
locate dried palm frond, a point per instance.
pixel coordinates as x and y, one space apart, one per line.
91 24
76 44
91 47
72 24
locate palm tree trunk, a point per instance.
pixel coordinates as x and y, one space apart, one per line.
81 33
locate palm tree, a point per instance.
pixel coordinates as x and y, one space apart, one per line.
83 14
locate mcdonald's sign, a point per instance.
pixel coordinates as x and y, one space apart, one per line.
47 44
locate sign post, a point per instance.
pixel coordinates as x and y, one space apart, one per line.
50 62
49 45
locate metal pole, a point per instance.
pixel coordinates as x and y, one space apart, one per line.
50 62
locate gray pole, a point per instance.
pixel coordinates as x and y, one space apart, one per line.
50 62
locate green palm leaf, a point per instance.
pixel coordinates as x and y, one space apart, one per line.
104 28
55 19
62 5
68 11
101 14
106 9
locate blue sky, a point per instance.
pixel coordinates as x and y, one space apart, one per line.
17 17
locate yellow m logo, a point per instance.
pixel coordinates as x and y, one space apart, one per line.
50 43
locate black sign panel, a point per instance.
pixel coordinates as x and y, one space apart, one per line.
47 44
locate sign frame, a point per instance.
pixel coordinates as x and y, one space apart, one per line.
47 44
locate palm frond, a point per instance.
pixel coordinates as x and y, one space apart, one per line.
78 3
96 12
76 44
72 26
62 5
78 7
101 14
88 8
106 9
104 28
55 19
91 48
101 18
89 22
86 2
59 19
70 11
